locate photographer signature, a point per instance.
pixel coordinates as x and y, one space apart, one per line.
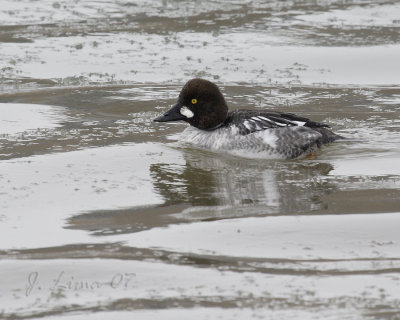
66 282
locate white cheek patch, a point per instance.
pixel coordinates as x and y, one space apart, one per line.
185 111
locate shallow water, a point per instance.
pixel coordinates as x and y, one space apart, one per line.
103 213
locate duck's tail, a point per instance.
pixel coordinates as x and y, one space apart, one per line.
327 135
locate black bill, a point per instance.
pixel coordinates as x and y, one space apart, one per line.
172 114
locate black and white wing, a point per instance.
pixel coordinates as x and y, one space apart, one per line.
249 121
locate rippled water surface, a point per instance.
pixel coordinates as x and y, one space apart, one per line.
104 213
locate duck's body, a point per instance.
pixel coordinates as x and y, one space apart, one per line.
272 134
253 132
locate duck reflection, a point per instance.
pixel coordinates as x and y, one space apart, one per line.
261 186
185 184
209 186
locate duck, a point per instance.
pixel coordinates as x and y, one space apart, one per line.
261 133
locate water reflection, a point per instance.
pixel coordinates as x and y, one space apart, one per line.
252 187
211 186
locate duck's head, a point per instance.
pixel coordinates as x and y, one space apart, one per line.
200 103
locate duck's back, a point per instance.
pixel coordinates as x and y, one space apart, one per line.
250 121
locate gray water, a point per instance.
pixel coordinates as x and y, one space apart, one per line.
103 213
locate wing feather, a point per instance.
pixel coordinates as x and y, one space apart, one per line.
249 121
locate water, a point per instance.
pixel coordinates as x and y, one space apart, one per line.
103 213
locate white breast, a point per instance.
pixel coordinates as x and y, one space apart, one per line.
260 144
274 143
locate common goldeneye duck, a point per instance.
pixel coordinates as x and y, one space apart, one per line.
263 133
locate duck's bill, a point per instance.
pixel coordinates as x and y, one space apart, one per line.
172 114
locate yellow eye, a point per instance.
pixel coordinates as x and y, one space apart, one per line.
194 101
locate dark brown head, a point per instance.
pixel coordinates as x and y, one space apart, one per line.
200 103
